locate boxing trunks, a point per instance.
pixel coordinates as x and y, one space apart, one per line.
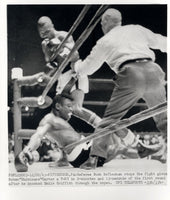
82 82
79 154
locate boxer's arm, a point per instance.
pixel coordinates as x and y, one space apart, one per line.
36 138
45 50
69 43
35 141
26 156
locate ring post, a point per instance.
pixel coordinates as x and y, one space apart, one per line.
17 73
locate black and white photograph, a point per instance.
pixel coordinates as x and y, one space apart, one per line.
87 95
87 92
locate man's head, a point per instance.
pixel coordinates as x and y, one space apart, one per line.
45 27
110 19
63 106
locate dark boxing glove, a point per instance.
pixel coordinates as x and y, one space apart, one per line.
23 159
21 163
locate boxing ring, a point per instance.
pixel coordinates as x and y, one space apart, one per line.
130 165
40 78
19 102
44 101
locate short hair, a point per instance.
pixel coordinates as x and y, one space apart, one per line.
114 14
60 97
44 21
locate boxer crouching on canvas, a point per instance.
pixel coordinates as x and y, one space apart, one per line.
55 125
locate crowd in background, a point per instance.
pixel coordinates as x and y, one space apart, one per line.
49 152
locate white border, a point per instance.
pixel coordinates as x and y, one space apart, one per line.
86 2
82 193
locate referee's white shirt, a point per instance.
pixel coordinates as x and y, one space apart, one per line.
121 44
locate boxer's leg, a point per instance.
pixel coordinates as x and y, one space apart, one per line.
78 96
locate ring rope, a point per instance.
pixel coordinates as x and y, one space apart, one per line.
123 124
72 29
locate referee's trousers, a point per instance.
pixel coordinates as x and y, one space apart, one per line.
136 80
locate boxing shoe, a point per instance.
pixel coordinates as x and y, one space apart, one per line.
63 163
146 150
161 158
93 162
60 163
